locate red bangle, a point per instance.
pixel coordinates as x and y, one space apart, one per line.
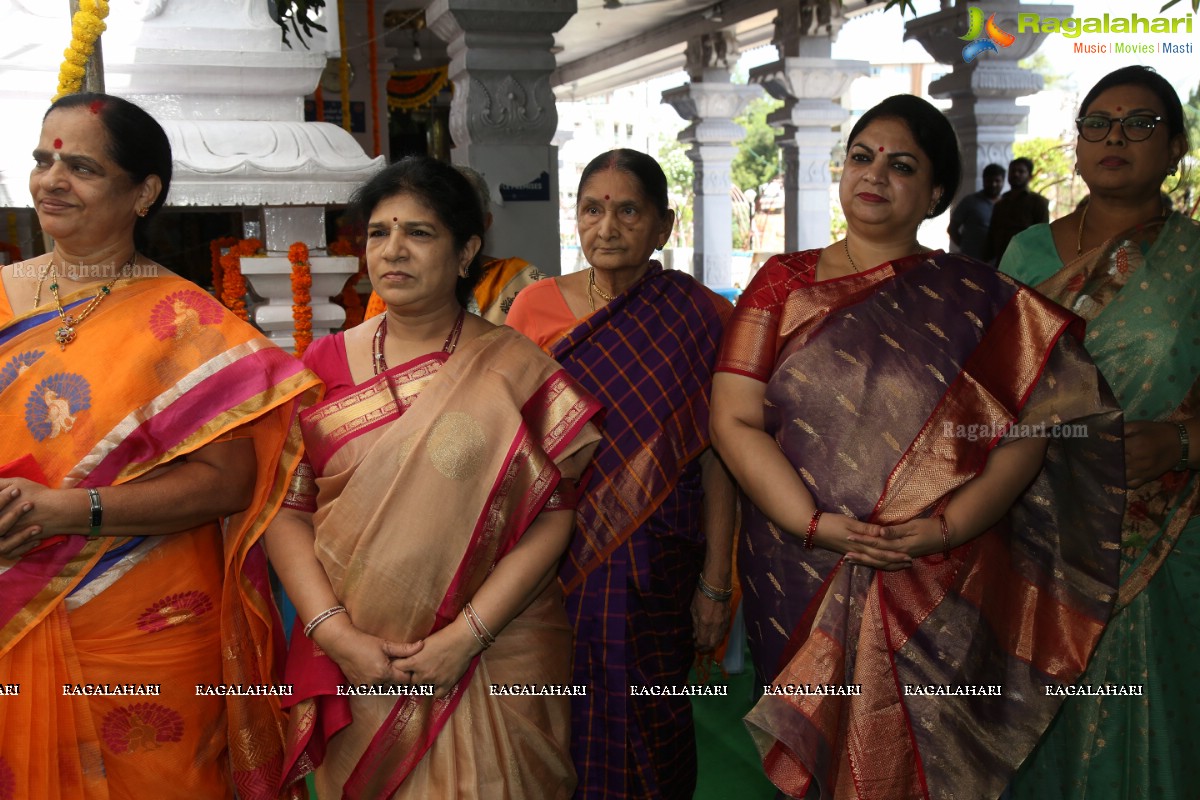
941 518
812 530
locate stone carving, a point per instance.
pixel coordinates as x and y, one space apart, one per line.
709 51
503 108
234 163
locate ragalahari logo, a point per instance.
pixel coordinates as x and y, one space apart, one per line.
991 35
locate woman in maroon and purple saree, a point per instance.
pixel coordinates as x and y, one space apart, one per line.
961 461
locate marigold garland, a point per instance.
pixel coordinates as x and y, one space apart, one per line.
233 289
302 313
373 60
86 27
218 272
351 301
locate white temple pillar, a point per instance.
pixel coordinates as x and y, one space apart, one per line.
711 102
811 85
983 92
503 116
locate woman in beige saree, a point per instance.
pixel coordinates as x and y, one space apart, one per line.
439 499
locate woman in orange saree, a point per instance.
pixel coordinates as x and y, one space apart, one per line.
138 413
934 466
443 499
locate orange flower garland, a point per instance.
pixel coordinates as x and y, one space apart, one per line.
350 297
218 272
233 289
302 313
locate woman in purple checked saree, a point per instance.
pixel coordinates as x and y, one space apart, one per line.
649 572
934 466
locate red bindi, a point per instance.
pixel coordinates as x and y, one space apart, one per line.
605 197
95 106
395 219
881 149
58 144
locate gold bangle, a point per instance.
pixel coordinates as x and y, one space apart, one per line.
941 518
712 592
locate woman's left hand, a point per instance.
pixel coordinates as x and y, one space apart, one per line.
17 535
915 538
1151 449
442 660
710 621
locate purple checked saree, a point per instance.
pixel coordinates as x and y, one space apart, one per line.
638 546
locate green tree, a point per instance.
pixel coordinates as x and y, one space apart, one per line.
1185 187
681 176
757 161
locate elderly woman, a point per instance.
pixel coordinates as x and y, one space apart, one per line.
445 457
141 461
1138 290
649 573
909 546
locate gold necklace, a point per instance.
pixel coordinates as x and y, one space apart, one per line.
1079 233
37 296
592 287
66 332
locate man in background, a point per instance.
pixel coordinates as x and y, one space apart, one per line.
1016 210
971 218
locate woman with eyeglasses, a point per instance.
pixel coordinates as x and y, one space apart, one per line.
1137 290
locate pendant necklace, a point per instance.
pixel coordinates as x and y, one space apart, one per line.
66 331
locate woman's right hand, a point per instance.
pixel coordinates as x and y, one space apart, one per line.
362 657
834 532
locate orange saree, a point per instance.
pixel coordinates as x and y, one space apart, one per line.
427 475
152 615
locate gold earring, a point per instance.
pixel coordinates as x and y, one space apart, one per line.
143 211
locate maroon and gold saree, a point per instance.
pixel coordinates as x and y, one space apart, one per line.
427 475
887 390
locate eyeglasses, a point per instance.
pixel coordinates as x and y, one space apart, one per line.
1136 127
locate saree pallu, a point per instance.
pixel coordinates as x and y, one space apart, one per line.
638 547
1138 292
427 475
179 610
889 391
502 280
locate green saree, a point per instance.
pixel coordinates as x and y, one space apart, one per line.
1138 293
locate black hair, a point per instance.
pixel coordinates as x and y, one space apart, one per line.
644 169
443 190
1147 78
994 169
934 135
136 142
1028 162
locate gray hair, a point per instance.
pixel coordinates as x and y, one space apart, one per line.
479 183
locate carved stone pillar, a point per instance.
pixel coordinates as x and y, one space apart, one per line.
711 102
983 92
503 118
811 85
